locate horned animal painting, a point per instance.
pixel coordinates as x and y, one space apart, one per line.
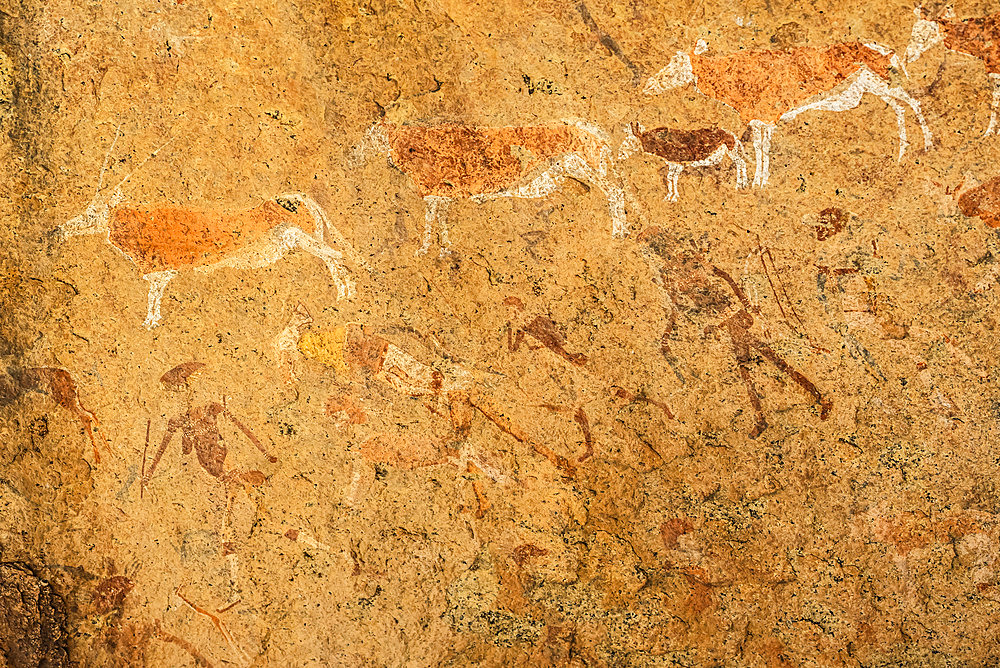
450 161
976 37
704 147
164 240
766 87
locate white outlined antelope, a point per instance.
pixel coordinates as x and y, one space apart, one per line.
770 86
976 37
703 147
448 162
165 240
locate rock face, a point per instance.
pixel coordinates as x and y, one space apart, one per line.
32 620
421 333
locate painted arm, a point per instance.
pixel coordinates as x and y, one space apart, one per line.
249 434
172 426
737 290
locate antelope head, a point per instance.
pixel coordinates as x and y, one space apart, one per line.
374 142
677 73
94 219
926 34
632 143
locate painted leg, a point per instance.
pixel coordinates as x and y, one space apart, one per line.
431 204
825 406
674 174
332 258
755 129
900 121
578 168
232 561
905 97
157 284
992 128
442 213
765 149
754 397
741 167
668 182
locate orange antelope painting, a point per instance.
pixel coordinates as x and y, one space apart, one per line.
164 240
976 37
770 86
449 161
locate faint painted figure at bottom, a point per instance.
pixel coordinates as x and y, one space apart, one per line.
351 349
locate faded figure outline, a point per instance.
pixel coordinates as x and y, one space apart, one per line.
199 432
698 290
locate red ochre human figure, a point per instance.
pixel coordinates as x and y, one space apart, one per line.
541 328
699 290
199 428
59 385
547 334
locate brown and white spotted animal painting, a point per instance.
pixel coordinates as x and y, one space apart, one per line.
450 161
976 37
164 240
770 86
703 147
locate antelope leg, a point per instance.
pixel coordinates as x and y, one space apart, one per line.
765 149
431 206
442 216
758 139
741 168
674 174
157 284
578 168
992 128
333 259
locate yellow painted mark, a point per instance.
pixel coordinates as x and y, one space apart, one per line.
326 347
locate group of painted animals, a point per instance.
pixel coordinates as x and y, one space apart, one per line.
452 161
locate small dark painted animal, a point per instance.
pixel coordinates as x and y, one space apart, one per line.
685 148
59 385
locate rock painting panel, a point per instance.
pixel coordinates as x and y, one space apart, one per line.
738 430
